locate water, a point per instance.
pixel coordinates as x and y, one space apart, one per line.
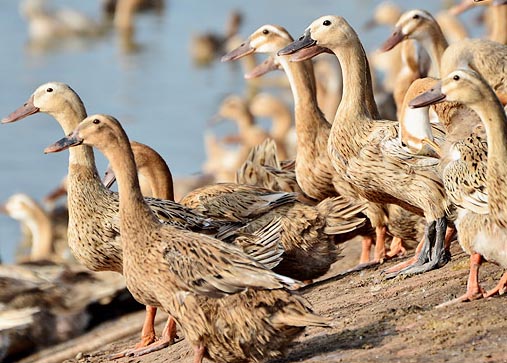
159 95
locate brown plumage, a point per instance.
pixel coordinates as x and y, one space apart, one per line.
94 231
198 276
475 178
314 170
366 150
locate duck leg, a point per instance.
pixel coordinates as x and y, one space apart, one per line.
199 353
149 342
500 288
380 244
474 290
433 253
449 234
366 244
396 248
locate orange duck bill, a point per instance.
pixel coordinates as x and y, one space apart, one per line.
64 143
26 110
430 97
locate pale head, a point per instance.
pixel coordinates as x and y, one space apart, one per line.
52 98
413 24
266 39
331 30
100 131
19 206
463 85
323 35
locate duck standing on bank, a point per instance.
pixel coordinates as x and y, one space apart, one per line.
230 307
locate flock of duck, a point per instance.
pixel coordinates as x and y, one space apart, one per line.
226 259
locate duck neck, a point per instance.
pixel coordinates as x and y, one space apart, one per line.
309 119
492 115
414 127
42 234
357 108
133 209
435 44
160 180
71 115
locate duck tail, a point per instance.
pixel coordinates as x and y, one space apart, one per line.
300 318
341 215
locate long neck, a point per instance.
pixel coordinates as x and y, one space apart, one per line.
133 209
493 117
70 116
435 44
42 233
357 95
160 180
309 120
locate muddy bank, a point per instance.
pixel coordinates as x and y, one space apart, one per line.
375 320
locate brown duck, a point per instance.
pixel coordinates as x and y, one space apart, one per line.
230 308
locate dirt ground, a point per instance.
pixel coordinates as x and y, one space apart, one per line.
375 320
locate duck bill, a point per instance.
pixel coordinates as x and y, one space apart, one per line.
430 97
499 2
241 51
64 143
305 41
24 111
109 177
308 53
265 67
396 37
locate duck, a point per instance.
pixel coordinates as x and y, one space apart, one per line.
94 233
480 195
282 130
43 303
411 183
218 304
314 171
33 217
307 233
206 46
235 108
420 25
45 25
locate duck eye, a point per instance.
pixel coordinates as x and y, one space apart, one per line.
265 31
416 16
326 23
49 89
96 121
456 77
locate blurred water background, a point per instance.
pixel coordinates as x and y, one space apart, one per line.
161 97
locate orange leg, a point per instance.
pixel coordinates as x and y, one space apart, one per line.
400 266
380 244
149 342
199 353
365 250
500 288
474 290
396 248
